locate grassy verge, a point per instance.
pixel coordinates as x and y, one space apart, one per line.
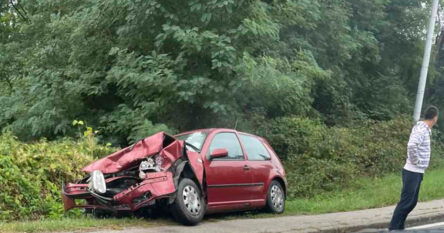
78 224
363 194
368 193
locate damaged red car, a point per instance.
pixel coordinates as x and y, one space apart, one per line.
193 173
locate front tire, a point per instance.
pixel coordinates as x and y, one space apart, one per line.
189 206
275 198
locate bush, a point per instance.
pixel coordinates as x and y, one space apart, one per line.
318 158
31 175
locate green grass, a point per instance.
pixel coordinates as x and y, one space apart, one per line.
368 193
77 224
364 193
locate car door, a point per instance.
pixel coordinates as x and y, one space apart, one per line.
229 178
259 161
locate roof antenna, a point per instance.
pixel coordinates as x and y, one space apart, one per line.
235 124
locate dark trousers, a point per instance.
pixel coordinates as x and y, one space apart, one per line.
411 181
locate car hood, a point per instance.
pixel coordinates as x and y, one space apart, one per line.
161 143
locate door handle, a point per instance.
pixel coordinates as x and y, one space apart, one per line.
246 168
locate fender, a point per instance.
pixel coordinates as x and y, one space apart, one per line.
178 171
195 163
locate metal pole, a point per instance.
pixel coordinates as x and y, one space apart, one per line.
425 62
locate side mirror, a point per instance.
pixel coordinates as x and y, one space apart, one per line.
219 153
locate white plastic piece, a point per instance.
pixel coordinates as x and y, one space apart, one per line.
159 160
97 182
142 175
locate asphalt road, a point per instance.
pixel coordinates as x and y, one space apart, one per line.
263 225
428 228
425 212
264 228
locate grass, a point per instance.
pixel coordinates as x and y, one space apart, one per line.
368 193
78 224
363 194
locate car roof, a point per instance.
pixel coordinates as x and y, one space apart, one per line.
207 130
211 130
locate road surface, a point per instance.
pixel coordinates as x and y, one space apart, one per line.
352 221
428 228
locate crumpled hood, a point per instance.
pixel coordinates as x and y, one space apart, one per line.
166 146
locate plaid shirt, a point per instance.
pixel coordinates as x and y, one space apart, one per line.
418 148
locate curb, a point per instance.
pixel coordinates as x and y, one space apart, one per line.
382 226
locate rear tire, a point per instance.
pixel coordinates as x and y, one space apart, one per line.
275 198
189 206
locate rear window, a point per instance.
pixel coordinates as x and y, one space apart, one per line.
254 147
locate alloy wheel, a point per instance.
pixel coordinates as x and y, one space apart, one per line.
191 200
277 197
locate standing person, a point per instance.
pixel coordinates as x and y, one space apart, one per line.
418 157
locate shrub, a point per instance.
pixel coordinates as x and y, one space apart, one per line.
318 158
31 175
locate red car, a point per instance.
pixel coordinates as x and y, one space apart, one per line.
193 173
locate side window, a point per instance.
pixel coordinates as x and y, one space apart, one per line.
229 142
254 148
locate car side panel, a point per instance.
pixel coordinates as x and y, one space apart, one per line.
278 170
261 173
265 172
228 182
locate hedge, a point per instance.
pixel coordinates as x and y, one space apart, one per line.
320 158
31 174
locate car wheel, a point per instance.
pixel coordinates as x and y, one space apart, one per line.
275 198
189 206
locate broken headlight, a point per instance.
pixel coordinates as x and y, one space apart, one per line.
97 182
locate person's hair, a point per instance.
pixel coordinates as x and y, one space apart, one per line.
431 112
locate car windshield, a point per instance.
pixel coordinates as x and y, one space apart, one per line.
196 139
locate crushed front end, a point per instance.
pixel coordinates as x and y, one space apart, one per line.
129 179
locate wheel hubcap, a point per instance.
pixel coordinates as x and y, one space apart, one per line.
277 197
191 199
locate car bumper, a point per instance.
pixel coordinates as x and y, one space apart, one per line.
155 186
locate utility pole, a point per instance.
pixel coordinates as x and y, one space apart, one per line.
425 62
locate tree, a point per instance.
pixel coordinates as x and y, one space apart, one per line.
131 68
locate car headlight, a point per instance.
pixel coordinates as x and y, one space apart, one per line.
97 182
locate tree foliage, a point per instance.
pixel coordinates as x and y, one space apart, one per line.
133 67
